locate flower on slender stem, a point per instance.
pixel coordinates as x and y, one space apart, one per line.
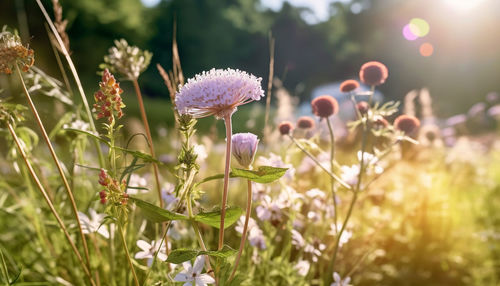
349 85
13 52
373 73
305 122
244 148
94 223
192 274
217 92
148 250
407 124
108 100
324 106
285 127
129 61
339 282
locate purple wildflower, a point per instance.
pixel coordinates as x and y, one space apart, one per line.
244 148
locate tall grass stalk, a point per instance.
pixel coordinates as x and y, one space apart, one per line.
50 204
58 164
76 77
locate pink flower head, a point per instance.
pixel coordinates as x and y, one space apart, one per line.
217 92
245 147
108 100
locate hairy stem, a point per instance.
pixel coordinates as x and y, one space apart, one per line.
229 134
332 159
50 204
58 164
245 228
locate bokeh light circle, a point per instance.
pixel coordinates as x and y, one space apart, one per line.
408 34
426 49
419 27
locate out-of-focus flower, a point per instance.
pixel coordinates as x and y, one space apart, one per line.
259 191
192 274
339 282
108 100
137 185
201 152
255 234
269 210
148 250
349 85
350 174
12 52
217 92
302 267
346 234
324 106
93 224
363 107
168 195
290 198
305 122
373 73
79 125
297 239
315 249
285 127
407 124
130 61
244 148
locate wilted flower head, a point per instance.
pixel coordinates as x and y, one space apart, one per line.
324 106
349 85
305 122
129 61
285 127
373 73
13 52
407 123
108 100
244 148
217 92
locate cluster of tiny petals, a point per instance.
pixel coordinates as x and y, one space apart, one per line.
12 52
114 191
217 92
407 123
373 73
285 127
305 122
349 85
108 100
324 106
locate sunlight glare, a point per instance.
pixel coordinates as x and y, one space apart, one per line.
463 5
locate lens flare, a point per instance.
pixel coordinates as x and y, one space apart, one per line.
426 49
408 34
419 27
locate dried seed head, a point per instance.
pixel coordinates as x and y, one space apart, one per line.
305 122
406 123
349 85
285 127
373 73
13 52
324 106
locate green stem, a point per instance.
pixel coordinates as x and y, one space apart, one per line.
124 242
58 165
331 174
332 159
245 228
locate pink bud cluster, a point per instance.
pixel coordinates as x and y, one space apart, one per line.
114 191
108 100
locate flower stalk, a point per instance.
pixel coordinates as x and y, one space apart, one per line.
229 133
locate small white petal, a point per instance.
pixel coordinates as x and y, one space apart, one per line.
198 264
143 245
204 279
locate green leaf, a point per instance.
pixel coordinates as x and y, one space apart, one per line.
213 218
138 154
263 175
157 214
180 255
88 134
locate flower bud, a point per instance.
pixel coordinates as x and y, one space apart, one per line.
244 148
285 127
373 73
305 122
324 106
406 123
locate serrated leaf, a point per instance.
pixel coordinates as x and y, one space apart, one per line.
263 174
178 256
213 218
155 213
